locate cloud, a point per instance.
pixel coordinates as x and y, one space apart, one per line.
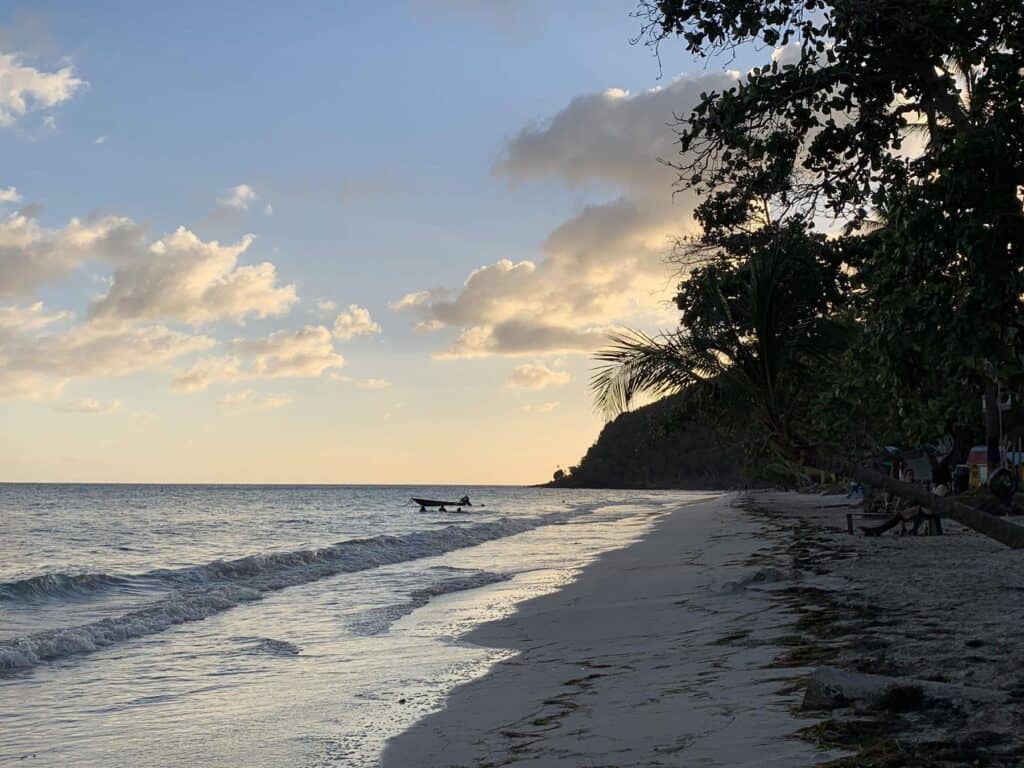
24 89
178 277
610 137
362 383
239 197
306 353
37 358
248 400
523 337
31 255
540 407
15 320
603 267
536 376
90 406
354 322
325 305
101 140
411 301
373 383
183 278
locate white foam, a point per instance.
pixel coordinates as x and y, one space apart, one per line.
221 585
378 620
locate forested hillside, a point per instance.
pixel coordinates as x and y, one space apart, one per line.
655 447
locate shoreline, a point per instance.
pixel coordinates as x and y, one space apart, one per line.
635 662
753 630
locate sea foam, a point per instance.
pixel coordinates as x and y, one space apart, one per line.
201 591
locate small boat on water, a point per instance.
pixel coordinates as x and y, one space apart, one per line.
425 503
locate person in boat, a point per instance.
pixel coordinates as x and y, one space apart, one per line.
464 501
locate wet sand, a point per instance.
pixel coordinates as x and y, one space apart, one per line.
662 653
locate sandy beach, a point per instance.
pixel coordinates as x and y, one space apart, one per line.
633 664
752 630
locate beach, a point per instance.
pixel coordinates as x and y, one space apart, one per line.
550 628
266 626
706 642
632 664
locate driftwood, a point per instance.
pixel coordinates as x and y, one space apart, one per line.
1000 529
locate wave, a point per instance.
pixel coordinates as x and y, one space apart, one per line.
57 585
202 591
379 620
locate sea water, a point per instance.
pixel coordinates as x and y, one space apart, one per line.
156 625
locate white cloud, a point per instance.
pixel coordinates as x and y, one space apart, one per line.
239 198
9 195
362 383
31 255
24 88
610 137
603 267
178 277
411 301
248 400
540 407
268 210
15 320
354 322
325 305
101 140
37 358
373 383
536 376
523 337
183 278
90 406
306 353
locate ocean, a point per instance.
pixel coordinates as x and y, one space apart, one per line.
175 625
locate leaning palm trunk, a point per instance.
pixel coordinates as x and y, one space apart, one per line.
998 528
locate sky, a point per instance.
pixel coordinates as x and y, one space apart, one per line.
326 242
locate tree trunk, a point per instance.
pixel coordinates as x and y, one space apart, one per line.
992 427
998 528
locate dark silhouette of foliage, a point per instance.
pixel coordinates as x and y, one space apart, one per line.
902 124
658 446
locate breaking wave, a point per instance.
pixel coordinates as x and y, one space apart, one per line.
56 585
201 591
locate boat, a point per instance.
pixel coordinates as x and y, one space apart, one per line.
425 503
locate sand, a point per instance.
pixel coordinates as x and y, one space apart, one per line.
941 617
659 654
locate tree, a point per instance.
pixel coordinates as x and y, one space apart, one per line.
915 108
824 134
758 321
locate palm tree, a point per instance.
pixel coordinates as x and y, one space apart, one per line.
754 351
748 351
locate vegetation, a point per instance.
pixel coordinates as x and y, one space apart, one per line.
657 446
860 270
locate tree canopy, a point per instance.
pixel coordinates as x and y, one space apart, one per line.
860 266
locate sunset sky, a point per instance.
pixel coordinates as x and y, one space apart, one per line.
325 241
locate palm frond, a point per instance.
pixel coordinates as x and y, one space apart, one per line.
636 363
